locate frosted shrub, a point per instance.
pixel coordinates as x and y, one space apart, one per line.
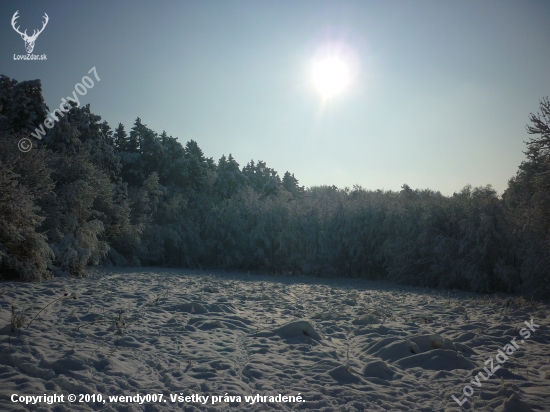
75 213
72 255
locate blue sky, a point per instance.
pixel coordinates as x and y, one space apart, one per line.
440 95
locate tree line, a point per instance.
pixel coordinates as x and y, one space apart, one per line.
87 194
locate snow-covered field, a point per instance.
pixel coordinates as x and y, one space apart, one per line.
336 345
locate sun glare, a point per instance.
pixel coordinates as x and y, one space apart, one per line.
330 76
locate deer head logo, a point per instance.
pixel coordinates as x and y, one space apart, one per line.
29 40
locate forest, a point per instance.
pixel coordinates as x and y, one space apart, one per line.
88 195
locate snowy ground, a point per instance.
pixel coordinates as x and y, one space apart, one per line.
342 345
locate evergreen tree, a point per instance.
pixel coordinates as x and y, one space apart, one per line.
261 178
195 170
229 178
6 98
120 138
133 168
151 151
290 183
96 138
23 104
172 163
64 137
134 141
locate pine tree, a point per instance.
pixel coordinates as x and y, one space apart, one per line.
6 98
151 151
133 168
172 164
134 141
120 138
96 138
261 178
290 183
229 178
27 109
196 167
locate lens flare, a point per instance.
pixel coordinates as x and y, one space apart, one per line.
330 76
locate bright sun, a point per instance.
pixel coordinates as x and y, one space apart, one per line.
330 76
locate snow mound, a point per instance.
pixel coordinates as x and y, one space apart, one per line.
217 324
374 347
128 342
191 307
343 374
69 363
514 404
325 316
435 341
296 329
378 369
393 349
368 318
464 348
437 359
398 350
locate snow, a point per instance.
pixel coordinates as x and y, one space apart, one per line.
340 345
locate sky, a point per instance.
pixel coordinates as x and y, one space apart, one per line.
439 92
